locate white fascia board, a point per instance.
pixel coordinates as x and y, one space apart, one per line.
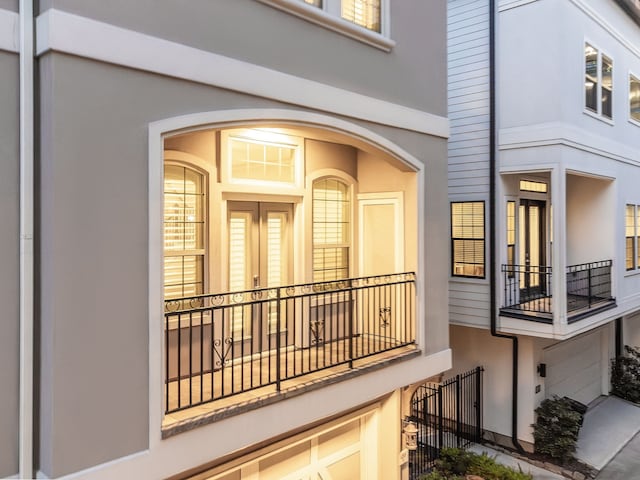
60 31
558 133
9 29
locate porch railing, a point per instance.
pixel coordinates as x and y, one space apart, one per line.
588 284
527 289
224 344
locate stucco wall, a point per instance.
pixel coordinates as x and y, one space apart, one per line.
94 205
9 262
262 35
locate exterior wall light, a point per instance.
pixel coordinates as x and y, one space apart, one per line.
410 435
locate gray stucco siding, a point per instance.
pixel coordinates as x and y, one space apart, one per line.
11 5
412 74
94 237
9 263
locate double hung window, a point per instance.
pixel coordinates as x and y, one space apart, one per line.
598 82
331 230
467 239
184 230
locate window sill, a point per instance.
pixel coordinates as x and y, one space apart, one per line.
331 22
634 122
632 273
597 116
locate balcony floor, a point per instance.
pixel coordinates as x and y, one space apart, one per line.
541 309
238 377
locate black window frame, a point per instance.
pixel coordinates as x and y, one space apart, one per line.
473 240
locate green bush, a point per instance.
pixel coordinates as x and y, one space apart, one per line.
625 375
556 429
454 464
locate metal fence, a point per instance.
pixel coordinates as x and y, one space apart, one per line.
446 415
221 345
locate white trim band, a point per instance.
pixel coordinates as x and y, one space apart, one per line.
9 29
59 31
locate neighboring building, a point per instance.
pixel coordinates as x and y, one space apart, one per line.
565 205
239 207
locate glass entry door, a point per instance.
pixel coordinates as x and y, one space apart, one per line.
532 248
260 256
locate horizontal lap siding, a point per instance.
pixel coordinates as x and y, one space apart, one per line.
468 96
469 303
468 103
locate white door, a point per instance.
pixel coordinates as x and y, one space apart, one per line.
260 252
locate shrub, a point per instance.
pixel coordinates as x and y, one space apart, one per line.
454 464
556 429
625 375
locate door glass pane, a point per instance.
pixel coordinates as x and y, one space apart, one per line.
534 245
522 250
276 264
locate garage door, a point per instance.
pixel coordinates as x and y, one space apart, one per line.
574 368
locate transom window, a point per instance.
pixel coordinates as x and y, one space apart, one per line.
531 186
634 98
256 157
467 239
598 83
184 230
632 236
331 230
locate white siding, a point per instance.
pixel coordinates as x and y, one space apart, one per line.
468 102
469 303
468 96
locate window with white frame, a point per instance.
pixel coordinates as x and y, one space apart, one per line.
598 82
634 98
467 239
364 20
366 13
331 229
184 230
632 236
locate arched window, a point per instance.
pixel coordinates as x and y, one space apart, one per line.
331 229
184 230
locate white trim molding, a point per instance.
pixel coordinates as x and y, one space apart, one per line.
59 31
9 31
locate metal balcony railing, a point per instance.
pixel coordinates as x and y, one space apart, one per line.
225 344
527 290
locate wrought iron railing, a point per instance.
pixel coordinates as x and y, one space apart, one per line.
527 289
588 284
224 344
447 415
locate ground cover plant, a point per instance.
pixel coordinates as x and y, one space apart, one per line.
456 464
625 375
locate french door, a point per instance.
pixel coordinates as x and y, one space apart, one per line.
532 254
260 256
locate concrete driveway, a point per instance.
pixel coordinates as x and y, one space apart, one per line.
625 465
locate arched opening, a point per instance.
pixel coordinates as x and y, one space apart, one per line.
289 249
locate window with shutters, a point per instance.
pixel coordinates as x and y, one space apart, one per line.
331 229
184 230
467 239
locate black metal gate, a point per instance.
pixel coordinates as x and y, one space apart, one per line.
448 414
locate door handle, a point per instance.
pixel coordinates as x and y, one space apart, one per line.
256 281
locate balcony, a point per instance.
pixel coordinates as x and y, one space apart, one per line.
527 291
254 343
